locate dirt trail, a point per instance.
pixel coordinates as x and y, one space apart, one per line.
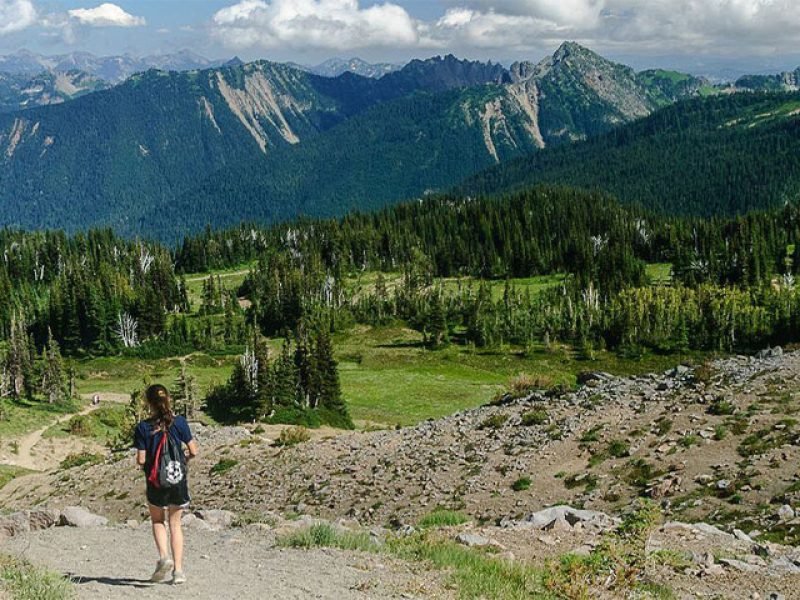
25 456
115 563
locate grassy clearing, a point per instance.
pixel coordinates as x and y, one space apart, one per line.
9 472
23 581
23 416
475 573
365 283
388 377
118 374
101 425
231 278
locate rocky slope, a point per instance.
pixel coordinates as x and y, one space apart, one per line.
18 92
714 446
719 445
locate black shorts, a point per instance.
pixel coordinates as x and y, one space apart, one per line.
174 496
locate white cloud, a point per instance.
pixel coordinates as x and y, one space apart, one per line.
660 25
16 15
105 15
321 24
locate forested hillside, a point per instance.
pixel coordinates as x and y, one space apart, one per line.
711 156
167 153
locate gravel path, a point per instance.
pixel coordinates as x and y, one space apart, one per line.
112 563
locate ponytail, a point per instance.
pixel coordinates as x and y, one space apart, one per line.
159 400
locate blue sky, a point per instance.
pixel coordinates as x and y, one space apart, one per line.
695 35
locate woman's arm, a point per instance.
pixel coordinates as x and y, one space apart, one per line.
192 447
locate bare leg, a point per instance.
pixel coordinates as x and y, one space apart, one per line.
158 518
176 536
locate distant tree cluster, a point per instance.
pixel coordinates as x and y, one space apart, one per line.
300 385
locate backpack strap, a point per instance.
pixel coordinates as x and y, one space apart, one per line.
152 477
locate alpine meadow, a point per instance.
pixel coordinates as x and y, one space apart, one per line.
441 327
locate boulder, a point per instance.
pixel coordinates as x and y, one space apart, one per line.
75 516
473 541
786 513
43 518
546 517
14 524
216 518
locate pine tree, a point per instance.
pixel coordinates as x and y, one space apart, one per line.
325 381
53 382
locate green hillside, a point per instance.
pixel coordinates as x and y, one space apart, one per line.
708 156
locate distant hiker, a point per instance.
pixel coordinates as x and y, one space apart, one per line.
95 399
159 443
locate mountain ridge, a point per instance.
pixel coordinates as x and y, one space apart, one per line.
136 149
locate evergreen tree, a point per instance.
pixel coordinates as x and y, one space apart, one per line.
53 381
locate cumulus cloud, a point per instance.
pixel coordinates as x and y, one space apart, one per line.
681 25
323 24
105 15
632 25
16 15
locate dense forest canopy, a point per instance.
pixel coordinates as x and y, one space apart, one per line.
722 155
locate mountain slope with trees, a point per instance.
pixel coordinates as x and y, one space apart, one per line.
727 154
268 141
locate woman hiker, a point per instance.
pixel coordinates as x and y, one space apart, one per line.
159 444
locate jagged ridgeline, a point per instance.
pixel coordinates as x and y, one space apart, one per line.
708 156
166 153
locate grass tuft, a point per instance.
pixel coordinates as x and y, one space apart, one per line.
23 581
442 518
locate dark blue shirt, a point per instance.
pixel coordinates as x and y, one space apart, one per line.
146 436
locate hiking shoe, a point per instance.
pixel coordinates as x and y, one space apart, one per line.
163 567
178 577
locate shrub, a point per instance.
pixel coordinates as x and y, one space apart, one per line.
521 484
523 384
704 372
663 426
619 449
83 458
292 436
592 435
720 432
224 465
720 406
494 421
80 425
534 417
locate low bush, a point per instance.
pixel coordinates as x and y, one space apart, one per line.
521 484
80 459
223 465
494 421
293 436
534 417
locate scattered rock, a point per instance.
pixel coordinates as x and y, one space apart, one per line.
75 516
786 513
215 518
